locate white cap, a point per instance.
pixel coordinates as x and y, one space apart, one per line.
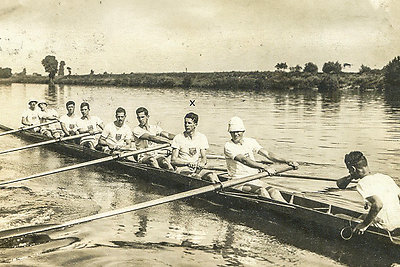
42 102
236 125
32 100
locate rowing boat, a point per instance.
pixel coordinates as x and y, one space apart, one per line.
337 219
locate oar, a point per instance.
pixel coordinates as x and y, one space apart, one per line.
215 168
147 204
28 127
84 164
270 162
45 143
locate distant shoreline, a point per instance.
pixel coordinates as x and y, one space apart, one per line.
235 80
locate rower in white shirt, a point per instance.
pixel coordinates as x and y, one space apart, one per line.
30 116
69 121
117 135
240 161
89 124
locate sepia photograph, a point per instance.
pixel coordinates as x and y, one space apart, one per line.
200 133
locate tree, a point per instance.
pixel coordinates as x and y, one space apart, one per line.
69 70
392 74
50 64
281 66
332 67
5 72
61 68
310 67
296 68
364 69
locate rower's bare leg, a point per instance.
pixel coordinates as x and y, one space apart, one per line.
210 177
275 194
164 163
152 162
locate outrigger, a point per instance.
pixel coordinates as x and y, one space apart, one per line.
337 218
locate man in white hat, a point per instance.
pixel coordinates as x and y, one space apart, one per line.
240 161
47 114
30 116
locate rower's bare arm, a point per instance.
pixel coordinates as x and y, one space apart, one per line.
175 160
376 206
272 157
64 128
342 183
25 122
203 158
167 135
249 162
154 138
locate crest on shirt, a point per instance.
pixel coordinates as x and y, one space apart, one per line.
118 137
192 151
246 155
90 127
71 126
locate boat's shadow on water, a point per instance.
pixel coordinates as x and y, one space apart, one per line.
355 252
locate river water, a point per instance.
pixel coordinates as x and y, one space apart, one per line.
304 126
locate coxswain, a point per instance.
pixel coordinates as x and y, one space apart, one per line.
189 151
46 115
30 116
379 191
240 161
69 121
147 135
88 124
117 135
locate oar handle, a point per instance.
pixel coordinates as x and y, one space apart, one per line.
28 127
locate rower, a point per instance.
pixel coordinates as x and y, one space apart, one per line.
30 116
240 161
146 135
116 136
189 151
380 193
48 114
69 120
88 124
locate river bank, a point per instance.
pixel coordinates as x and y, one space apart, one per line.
235 80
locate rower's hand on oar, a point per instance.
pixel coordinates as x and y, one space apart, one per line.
269 170
360 228
293 164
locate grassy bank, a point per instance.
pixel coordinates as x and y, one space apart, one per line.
256 81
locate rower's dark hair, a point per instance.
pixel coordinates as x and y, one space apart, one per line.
355 158
192 116
85 104
142 109
120 110
70 103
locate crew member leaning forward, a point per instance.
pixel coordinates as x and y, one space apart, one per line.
117 135
146 135
380 193
88 124
46 115
189 151
240 161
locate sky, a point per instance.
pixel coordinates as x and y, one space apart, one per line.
123 36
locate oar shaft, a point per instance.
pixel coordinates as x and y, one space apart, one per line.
44 143
84 164
28 127
151 203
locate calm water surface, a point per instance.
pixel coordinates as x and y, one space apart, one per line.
307 127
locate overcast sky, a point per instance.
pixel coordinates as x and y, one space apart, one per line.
200 35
